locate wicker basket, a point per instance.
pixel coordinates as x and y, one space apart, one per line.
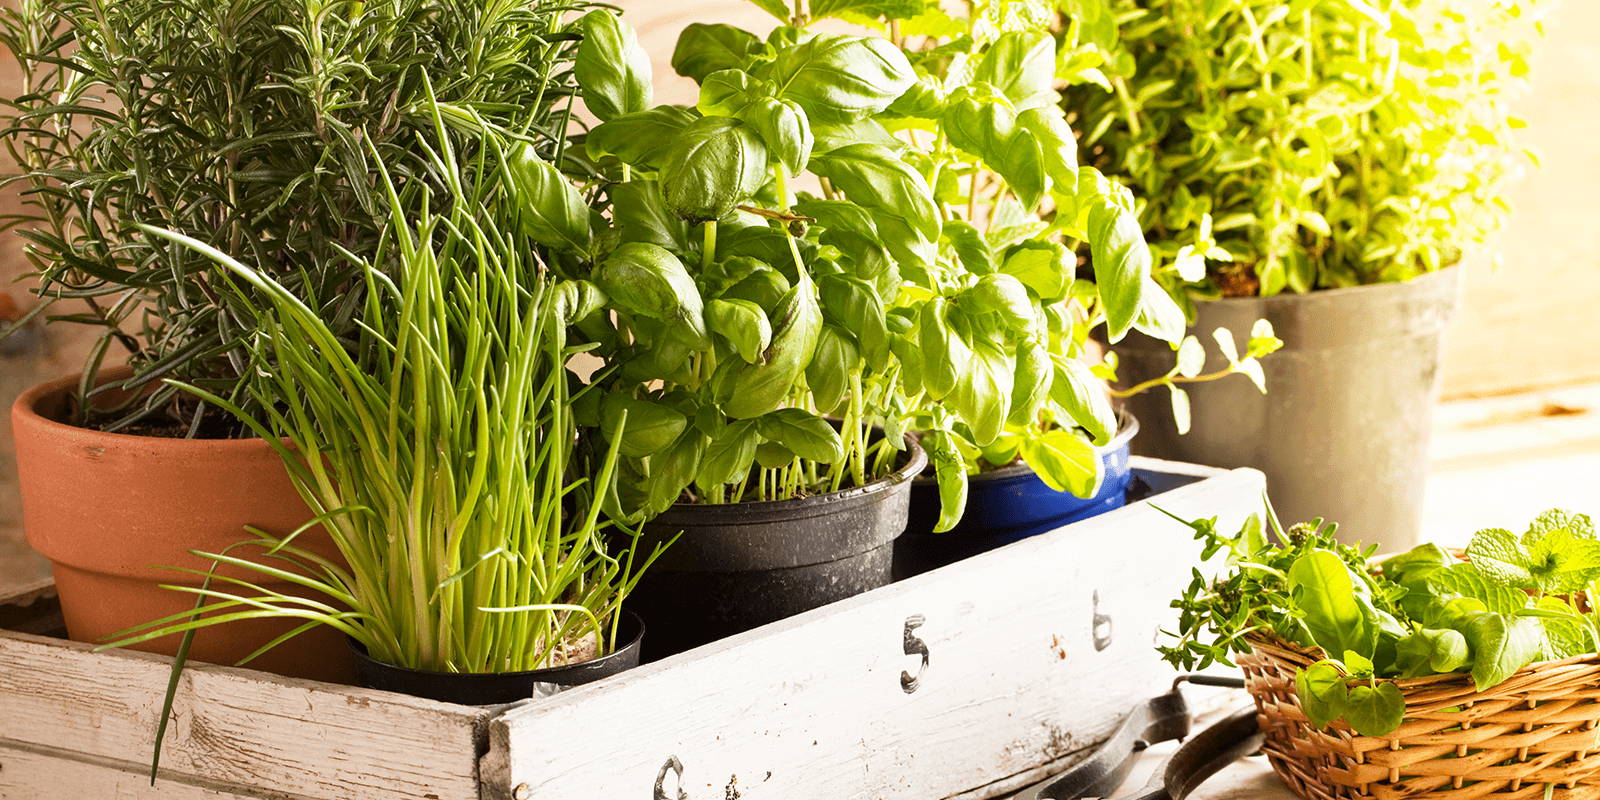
1538 729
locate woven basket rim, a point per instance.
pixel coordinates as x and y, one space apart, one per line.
1282 650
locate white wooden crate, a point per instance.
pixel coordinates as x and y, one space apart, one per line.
965 682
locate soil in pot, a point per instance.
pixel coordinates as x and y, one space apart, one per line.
478 689
742 565
109 510
1006 505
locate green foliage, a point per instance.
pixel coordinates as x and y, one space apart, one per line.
245 124
438 447
1510 601
1333 143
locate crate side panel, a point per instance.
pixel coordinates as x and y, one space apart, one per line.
1032 651
26 774
237 727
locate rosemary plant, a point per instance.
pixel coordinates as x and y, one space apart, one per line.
249 125
437 450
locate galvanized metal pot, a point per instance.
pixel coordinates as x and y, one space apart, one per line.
1343 430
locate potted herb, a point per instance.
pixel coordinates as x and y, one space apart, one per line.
1322 166
438 448
245 125
1456 661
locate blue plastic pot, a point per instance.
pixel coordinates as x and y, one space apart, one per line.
1006 505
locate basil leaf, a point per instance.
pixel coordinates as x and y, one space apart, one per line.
725 92
1044 267
759 388
713 165
649 427
552 211
1121 264
672 470
640 214
1083 397
645 279
1022 64
782 125
703 49
851 304
1501 646
1005 297
968 246
945 355
1057 146
1064 460
1031 385
1431 651
951 473
806 435
988 129
729 455
828 374
743 324
982 393
613 71
1324 590
636 138
838 78
876 178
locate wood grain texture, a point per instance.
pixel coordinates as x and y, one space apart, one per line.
232 730
1033 651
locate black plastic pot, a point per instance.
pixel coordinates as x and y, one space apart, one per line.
1007 505
493 688
742 565
1342 431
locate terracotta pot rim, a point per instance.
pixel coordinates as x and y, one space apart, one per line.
25 411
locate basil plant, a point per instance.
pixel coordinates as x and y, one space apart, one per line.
1309 144
846 234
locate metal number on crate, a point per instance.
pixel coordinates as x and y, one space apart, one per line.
914 646
675 767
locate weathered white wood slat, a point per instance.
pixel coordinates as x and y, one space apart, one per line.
27 774
236 730
1032 652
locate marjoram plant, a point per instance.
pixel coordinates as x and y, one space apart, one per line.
1303 145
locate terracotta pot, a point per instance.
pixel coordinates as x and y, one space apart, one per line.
110 509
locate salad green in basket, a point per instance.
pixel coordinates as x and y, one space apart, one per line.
1509 600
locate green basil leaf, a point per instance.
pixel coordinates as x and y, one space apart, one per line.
637 138
838 78
1004 296
876 178
1079 393
672 470
552 211
725 92
1501 646
613 71
1161 317
759 388
766 287
831 136
773 455
828 374
649 427
743 324
1022 64
969 247
1431 651
1121 265
982 394
950 470
806 435
783 126
1057 146
851 304
703 49
712 165
644 279
1044 267
989 130
729 455
945 354
1324 591
639 212
1031 385
1065 461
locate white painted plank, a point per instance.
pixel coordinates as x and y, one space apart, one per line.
813 707
234 727
27 774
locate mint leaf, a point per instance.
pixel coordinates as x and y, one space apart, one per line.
1469 581
1499 555
1579 525
1561 561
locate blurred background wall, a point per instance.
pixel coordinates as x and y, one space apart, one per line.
1529 324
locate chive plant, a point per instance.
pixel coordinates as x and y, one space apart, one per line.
438 449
